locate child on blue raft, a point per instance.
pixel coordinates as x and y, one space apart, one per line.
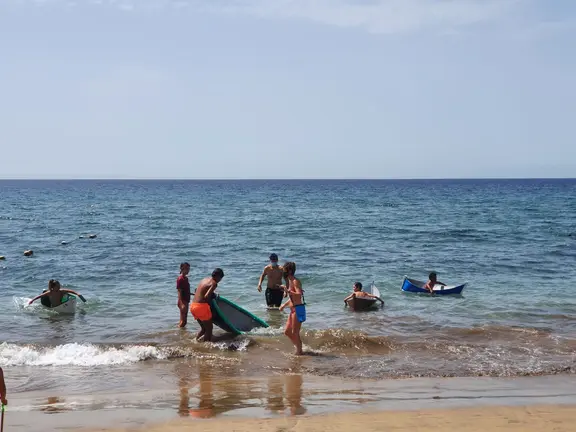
432 282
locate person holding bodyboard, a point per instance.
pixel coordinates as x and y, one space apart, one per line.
55 295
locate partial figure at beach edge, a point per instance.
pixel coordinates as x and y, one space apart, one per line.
3 399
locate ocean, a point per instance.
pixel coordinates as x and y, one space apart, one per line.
512 241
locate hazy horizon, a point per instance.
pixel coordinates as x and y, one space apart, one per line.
127 179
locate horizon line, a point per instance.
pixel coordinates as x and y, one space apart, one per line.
280 179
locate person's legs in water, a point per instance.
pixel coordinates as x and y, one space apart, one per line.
202 331
296 336
183 314
208 327
292 331
202 313
288 330
268 294
274 297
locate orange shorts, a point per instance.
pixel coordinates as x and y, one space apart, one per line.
201 311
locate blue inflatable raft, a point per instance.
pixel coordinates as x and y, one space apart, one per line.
416 286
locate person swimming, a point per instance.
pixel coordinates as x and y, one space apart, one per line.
55 295
432 282
358 293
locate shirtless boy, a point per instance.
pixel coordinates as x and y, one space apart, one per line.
296 300
274 273
358 293
200 307
183 287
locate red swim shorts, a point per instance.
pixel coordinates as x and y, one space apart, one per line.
201 311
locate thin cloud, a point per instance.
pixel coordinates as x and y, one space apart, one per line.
546 29
376 16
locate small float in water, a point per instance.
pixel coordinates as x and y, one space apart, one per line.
67 307
416 286
232 318
67 302
365 303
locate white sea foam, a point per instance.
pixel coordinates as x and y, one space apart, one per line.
75 354
235 345
268 331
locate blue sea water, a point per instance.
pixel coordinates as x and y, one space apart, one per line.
513 241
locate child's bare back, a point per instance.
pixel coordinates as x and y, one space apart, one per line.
202 288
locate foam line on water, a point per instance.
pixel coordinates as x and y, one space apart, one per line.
75 354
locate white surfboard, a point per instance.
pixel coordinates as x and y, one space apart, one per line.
67 308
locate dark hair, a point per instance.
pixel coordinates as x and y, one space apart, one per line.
218 273
432 275
53 283
184 264
358 285
273 257
289 268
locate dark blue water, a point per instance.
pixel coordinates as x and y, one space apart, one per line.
513 241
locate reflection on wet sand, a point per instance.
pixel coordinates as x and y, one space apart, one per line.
294 394
285 392
184 383
275 398
215 394
206 392
206 407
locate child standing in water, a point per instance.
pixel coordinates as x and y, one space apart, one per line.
183 287
297 306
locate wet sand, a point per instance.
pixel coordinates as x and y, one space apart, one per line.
178 393
554 418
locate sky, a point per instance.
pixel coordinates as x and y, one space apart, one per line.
232 89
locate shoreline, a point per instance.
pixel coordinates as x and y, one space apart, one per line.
174 395
536 418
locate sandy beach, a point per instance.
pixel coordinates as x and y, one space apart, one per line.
171 402
543 418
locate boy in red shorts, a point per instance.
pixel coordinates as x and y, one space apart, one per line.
200 307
